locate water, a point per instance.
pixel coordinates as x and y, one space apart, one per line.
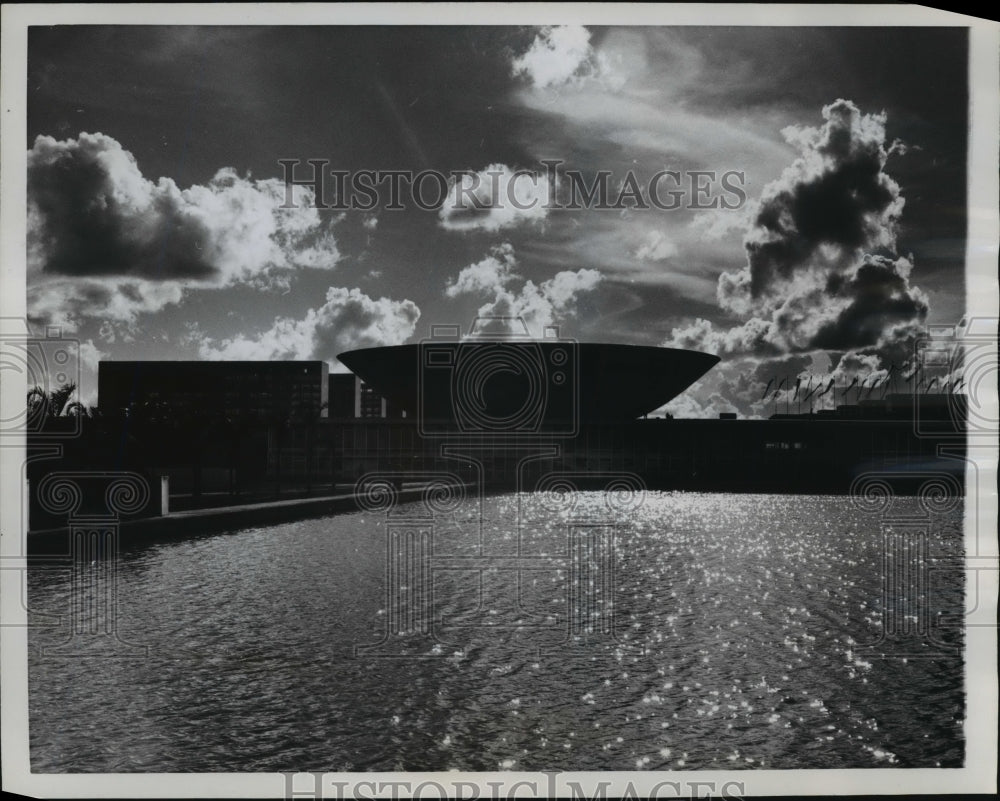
749 632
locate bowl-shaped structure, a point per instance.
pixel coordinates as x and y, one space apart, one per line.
476 385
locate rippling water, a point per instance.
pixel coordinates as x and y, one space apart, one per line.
704 631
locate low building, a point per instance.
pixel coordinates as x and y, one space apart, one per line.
295 391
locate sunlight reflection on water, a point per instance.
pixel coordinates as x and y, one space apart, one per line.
727 631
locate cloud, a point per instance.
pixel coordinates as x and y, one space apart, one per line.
538 305
656 247
491 274
832 201
494 198
558 54
751 337
711 225
561 290
881 307
112 300
104 241
348 319
870 305
821 275
691 407
543 304
820 272
90 357
738 385
636 95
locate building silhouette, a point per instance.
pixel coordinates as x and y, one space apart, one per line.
247 390
231 430
351 398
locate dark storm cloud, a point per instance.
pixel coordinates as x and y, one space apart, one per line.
836 194
816 276
842 206
105 241
823 295
881 298
93 214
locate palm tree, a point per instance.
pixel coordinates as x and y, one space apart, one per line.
59 398
77 409
42 405
37 404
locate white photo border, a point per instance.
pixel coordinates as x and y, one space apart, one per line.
979 773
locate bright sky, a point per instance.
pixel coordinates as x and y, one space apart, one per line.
155 227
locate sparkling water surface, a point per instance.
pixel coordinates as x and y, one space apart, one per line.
709 631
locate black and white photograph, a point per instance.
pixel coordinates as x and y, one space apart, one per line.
498 401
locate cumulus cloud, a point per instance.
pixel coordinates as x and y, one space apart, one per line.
751 386
494 198
105 241
348 319
557 54
538 305
870 305
822 274
820 271
878 303
562 57
492 273
750 337
830 203
656 247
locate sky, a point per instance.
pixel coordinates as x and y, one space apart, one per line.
826 229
